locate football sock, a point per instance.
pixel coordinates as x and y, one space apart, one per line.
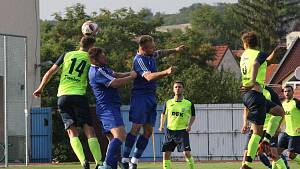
95 149
252 148
285 161
190 162
264 159
297 159
280 164
77 148
113 148
129 142
166 164
272 126
141 145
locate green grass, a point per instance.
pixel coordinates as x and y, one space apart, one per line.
157 165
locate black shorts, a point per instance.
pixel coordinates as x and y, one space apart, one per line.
256 103
176 138
74 110
274 96
270 105
273 141
292 143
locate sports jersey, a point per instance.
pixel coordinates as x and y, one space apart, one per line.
73 79
100 79
292 116
247 60
144 64
178 113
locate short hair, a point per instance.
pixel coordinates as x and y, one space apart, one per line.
144 39
289 86
94 53
251 39
179 82
87 41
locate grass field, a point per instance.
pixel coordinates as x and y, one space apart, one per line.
158 165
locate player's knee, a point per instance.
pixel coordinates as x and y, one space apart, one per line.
291 155
89 131
135 129
166 155
187 154
72 131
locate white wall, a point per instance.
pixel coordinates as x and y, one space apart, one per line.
229 63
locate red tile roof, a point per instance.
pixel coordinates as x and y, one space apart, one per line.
297 27
289 63
238 53
270 70
220 53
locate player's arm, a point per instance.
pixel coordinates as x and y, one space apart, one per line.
192 120
163 118
298 107
245 121
167 52
150 76
46 78
121 75
119 82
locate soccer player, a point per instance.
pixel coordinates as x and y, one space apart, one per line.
180 114
72 104
291 137
142 111
253 67
273 104
105 83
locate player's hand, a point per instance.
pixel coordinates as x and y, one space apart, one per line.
171 70
188 129
180 48
161 129
133 74
251 86
244 129
37 92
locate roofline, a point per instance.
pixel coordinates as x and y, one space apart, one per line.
283 59
222 56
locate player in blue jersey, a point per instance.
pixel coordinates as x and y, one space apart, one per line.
105 83
142 111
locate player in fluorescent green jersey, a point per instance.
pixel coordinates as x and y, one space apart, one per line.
291 137
72 104
180 114
253 67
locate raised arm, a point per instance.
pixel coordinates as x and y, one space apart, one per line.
166 52
119 82
150 76
45 80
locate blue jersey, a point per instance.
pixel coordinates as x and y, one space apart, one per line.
100 78
143 64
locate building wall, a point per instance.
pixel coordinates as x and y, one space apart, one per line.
21 17
229 63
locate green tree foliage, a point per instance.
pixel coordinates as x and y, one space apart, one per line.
270 19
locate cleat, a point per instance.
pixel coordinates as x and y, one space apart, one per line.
97 166
264 147
124 165
104 166
245 167
132 166
86 164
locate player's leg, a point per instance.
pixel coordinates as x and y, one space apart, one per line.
294 148
278 161
68 117
184 145
275 121
167 160
189 159
283 141
168 147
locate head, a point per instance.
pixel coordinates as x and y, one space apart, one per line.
97 56
250 40
178 88
288 92
87 42
146 44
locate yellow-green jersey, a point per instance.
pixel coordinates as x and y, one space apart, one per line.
292 116
248 58
73 79
178 113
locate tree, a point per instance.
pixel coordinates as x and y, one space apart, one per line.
270 19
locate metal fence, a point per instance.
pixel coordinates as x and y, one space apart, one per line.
215 134
13 98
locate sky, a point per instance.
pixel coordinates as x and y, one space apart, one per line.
48 7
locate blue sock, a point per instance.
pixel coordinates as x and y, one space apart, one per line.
264 159
285 161
113 148
130 140
141 145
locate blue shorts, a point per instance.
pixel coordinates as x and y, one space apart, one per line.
110 118
143 109
256 103
292 143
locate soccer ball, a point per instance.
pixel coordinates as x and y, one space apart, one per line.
89 28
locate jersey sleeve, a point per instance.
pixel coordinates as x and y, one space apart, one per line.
104 78
261 57
193 110
60 59
140 66
297 103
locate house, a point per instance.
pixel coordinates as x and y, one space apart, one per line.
284 73
224 59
